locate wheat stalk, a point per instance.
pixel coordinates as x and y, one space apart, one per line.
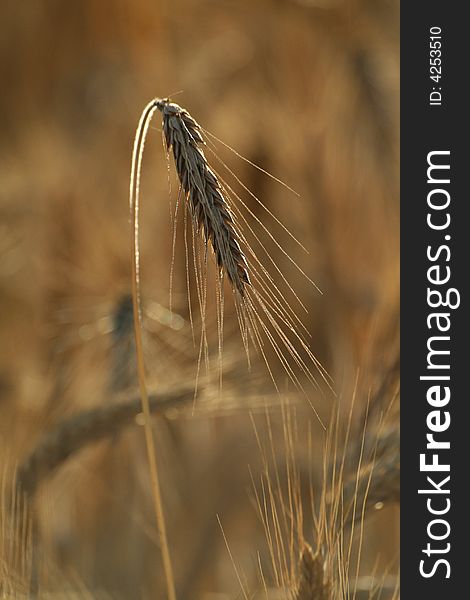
136 168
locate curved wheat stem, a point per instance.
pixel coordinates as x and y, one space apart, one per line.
134 209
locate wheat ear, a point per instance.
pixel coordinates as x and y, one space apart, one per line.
216 212
201 187
137 156
312 584
74 433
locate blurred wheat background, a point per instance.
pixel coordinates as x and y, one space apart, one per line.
308 90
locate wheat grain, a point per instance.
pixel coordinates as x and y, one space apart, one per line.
378 481
209 209
312 584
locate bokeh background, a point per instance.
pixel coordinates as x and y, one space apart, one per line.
308 90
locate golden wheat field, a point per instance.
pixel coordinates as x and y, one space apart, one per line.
268 341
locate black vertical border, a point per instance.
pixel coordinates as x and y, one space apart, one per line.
426 128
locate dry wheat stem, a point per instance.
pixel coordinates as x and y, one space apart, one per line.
137 156
378 480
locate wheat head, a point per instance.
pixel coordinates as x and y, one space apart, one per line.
209 209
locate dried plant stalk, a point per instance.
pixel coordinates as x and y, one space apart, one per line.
137 156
